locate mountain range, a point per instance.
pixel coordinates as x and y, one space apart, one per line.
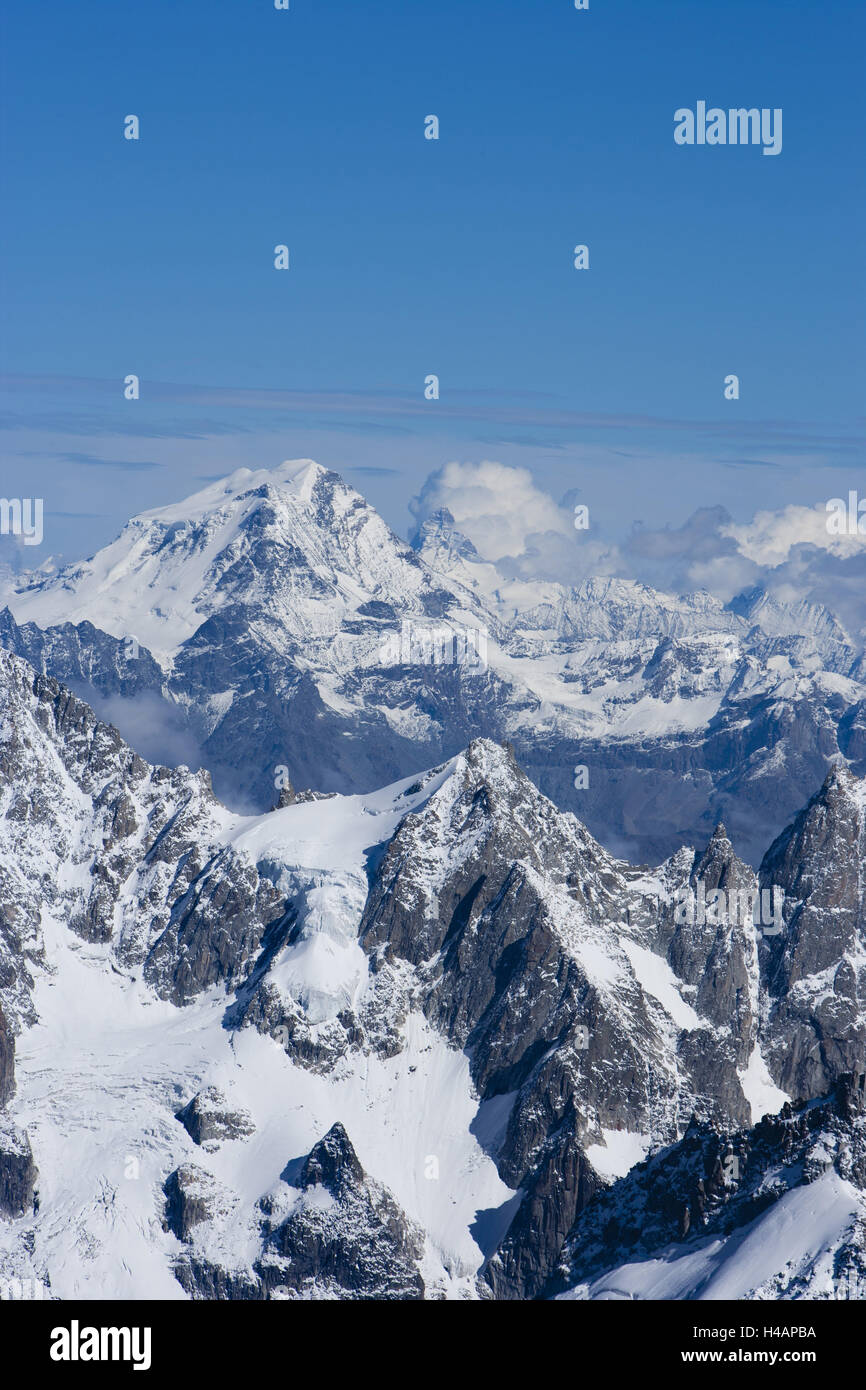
454 1020
274 620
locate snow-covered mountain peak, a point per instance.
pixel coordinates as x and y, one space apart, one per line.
483 796
798 617
296 476
443 547
295 540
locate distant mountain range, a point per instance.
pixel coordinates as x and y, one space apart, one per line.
273 620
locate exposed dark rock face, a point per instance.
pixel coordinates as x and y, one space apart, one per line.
193 1196
7 1060
716 956
716 1184
90 662
501 903
202 1279
164 891
333 1164
345 1236
209 1119
17 1171
815 971
706 930
288 796
562 1184
215 931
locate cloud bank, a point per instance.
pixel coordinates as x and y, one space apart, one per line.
514 523
791 553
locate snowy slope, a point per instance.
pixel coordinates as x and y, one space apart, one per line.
778 1211
793 1251
103 1072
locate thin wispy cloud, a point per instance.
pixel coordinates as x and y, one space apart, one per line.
353 409
125 465
370 472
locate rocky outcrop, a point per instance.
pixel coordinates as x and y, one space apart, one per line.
335 1234
17 1168
17 1171
203 1279
215 930
562 1185
7 1060
345 1236
814 972
163 890
209 1119
90 662
193 1197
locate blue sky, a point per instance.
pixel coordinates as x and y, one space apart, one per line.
411 257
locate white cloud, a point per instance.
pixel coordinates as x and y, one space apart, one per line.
789 552
513 523
769 537
497 507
